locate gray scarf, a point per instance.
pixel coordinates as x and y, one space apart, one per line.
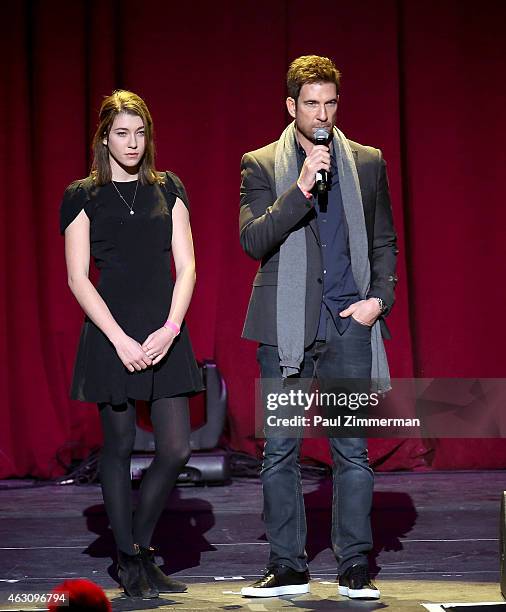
291 291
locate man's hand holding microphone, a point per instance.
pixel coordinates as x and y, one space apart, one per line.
317 161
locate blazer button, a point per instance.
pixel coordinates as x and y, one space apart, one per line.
319 280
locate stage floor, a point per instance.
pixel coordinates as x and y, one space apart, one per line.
436 540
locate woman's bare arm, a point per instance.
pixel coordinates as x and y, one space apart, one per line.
184 260
158 343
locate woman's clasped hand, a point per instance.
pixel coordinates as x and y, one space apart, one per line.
137 357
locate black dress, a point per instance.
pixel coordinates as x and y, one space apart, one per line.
133 254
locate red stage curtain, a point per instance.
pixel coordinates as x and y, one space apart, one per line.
422 81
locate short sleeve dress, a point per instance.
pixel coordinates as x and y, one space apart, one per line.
133 255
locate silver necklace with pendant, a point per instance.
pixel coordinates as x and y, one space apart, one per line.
130 207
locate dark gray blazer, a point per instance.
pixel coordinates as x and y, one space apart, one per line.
265 221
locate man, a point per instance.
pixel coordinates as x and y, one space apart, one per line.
325 283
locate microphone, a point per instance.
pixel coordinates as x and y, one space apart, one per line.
321 137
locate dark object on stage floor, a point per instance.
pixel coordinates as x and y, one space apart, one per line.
203 467
207 436
502 544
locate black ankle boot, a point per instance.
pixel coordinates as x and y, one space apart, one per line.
165 584
133 577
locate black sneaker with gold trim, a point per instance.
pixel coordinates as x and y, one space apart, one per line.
279 580
356 583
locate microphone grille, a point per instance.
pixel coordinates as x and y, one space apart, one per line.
321 134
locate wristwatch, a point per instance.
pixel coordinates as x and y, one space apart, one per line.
381 303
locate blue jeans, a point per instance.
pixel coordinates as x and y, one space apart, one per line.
340 356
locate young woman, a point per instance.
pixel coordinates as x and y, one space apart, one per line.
134 344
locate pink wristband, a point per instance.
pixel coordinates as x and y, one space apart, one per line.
170 325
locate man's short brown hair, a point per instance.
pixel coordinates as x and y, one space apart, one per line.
311 69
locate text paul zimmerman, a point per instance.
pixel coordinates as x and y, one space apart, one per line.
347 420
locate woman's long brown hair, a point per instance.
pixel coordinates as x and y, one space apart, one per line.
122 101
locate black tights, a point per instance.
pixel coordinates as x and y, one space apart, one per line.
171 426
